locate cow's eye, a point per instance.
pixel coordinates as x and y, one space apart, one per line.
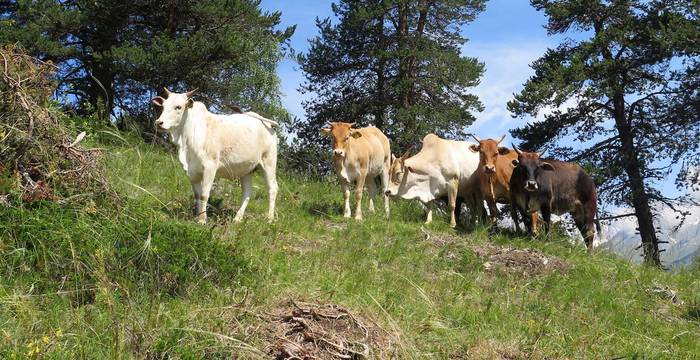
178 107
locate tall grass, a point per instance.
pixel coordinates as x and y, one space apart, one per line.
137 278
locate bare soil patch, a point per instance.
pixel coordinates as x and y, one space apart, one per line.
300 330
526 262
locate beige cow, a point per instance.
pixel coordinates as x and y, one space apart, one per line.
360 155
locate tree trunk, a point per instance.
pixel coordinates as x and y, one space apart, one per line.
640 199
380 96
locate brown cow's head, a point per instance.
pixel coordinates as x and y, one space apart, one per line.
488 152
174 106
341 133
530 166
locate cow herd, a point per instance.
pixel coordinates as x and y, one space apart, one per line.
462 172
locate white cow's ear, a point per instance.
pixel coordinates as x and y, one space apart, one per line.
474 148
547 166
515 162
356 134
158 101
190 103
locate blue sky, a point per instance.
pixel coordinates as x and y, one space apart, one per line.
507 37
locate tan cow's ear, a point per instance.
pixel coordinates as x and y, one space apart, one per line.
474 148
356 134
393 158
515 162
190 103
158 101
503 150
547 166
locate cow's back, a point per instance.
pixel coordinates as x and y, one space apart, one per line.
447 158
371 148
239 142
570 185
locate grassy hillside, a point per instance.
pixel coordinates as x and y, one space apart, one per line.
137 278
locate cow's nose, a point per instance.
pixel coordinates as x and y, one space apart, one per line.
531 185
159 123
338 152
490 169
387 192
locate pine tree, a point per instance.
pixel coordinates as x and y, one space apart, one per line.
114 55
633 78
395 64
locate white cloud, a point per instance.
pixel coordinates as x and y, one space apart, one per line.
507 69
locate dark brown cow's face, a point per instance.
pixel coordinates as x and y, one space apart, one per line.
488 153
341 133
531 166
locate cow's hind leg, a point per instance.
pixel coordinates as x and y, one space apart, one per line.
358 195
429 212
269 168
585 224
452 200
372 190
385 185
247 184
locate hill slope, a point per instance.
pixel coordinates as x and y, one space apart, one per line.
139 279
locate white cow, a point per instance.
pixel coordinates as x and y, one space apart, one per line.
227 146
442 167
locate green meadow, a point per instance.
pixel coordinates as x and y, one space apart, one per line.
133 276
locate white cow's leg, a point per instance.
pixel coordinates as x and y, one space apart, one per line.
197 190
358 195
452 200
429 210
269 168
346 197
205 185
247 184
385 186
372 190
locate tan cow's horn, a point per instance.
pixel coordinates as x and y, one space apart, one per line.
406 153
501 139
190 93
539 154
353 124
516 149
167 92
475 137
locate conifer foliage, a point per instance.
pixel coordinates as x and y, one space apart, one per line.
632 77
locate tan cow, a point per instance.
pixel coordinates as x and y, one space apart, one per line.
360 155
494 172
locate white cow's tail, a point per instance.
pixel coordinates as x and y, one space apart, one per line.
271 123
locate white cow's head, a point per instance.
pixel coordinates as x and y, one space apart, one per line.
407 182
174 107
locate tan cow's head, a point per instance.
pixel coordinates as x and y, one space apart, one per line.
488 152
174 106
341 133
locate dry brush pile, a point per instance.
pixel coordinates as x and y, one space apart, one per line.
39 159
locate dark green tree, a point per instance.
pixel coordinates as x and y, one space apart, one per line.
395 64
632 76
114 55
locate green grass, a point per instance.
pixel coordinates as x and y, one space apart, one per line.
138 278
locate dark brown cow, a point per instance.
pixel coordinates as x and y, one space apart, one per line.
554 187
494 172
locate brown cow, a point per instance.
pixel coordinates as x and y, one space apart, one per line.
554 187
360 155
494 171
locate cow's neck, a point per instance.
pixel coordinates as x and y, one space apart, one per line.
194 127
